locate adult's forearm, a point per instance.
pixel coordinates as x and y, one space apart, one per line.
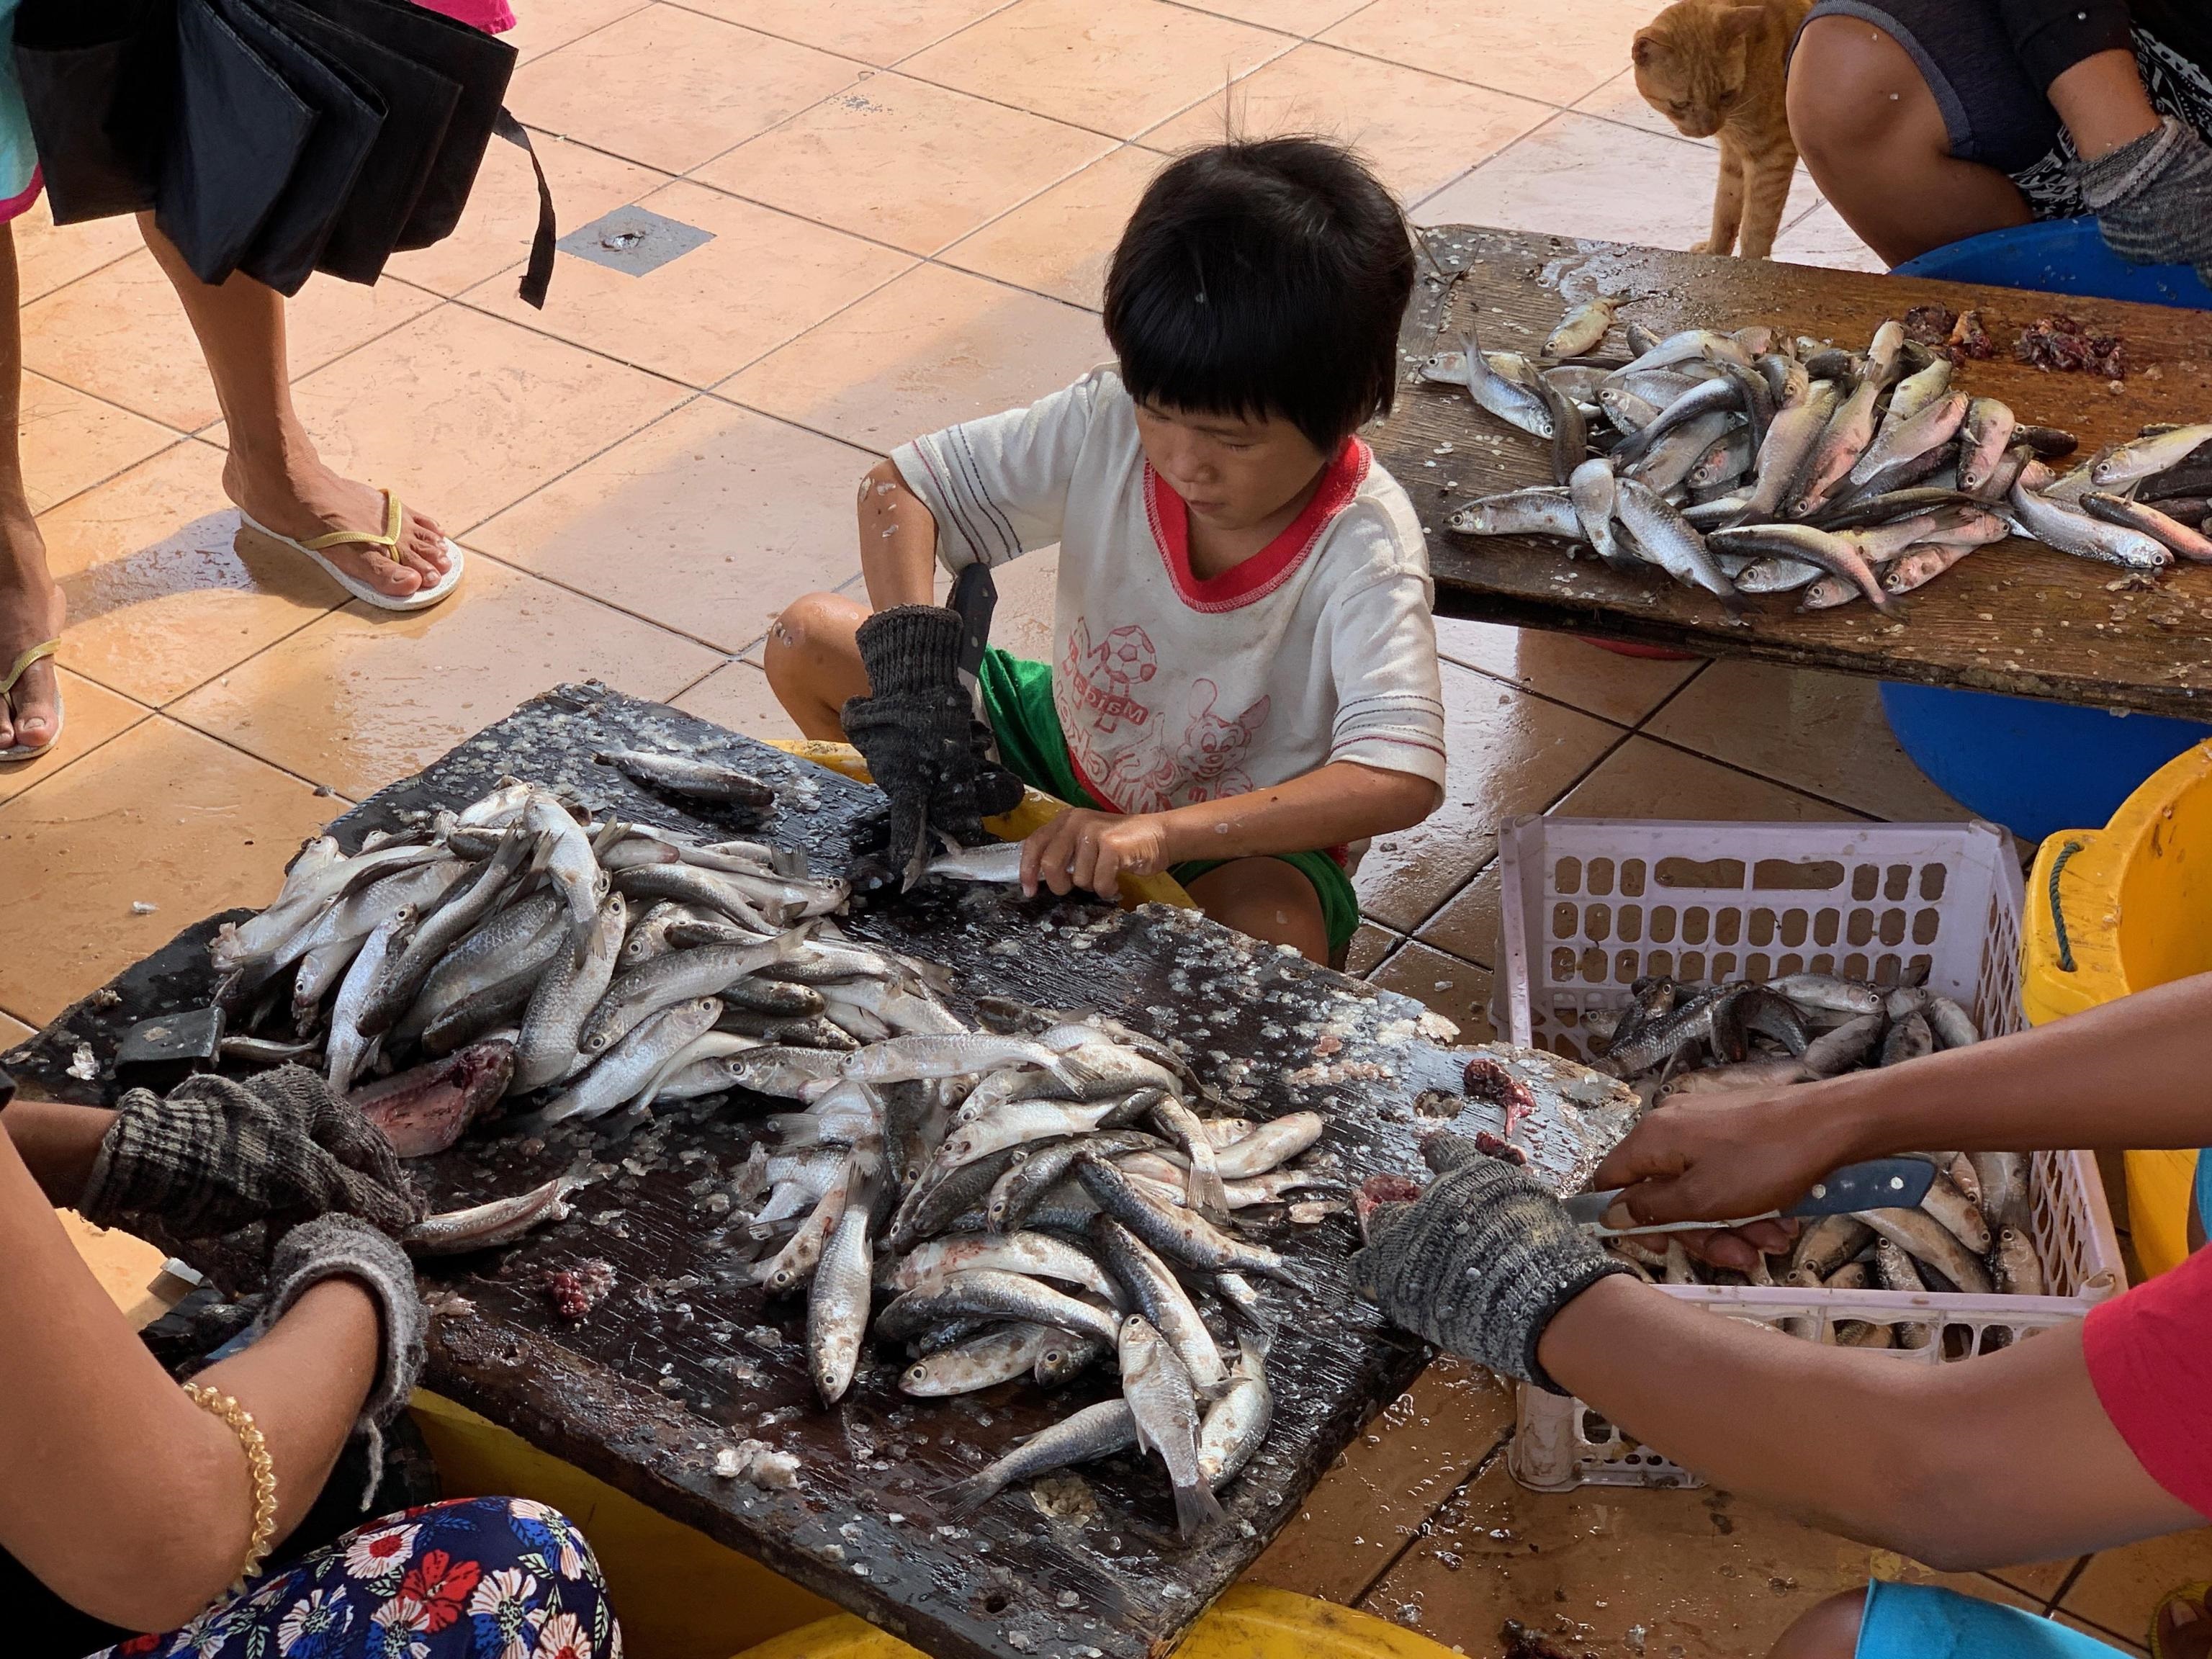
1330 806
57 1143
2102 101
2137 1073
898 541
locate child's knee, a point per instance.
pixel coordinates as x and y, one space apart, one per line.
1828 1631
807 628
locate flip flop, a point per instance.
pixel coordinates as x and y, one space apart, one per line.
2199 1593
25 751
420 599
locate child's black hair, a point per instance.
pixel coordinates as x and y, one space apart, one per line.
1264 278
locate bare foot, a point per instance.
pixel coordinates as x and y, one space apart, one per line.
299 497
31 610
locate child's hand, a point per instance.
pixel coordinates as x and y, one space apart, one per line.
1081 848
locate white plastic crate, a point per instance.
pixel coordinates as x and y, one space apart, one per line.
1591 904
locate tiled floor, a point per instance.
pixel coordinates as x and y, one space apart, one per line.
911 202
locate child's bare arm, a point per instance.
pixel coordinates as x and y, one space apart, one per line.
1343 801
898 541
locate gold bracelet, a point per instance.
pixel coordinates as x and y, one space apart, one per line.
259 1462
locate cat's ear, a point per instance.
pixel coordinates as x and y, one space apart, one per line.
1650 42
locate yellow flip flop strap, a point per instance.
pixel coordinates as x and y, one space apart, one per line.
24 662
387 543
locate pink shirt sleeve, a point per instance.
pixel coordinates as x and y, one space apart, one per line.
2149 1354
492 16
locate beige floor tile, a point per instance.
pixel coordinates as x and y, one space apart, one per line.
363 697
48 255
161 597
495 232
91 715
1116 66
1578 176
1510 753
492 411
671 87
1389 1480
1369 944
1530 49
934 347
1292 16
764 278
906 163
1618 99
1615 1573
1563 668
1646 780
1468 926
736 697
879 31
1445 985
1061 243
123 1265
1418 131
543 26
2030 1587
120 334
71 441
163 815
1825 732
2119 1586
1822 238
14 1031
707 522
1027 589
2112 1638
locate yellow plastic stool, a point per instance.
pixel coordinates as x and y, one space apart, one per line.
1037 809
2120 909
678 1594
1249 1621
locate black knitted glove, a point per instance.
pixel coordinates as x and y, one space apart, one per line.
216 1154
2153 198
1482 1262
340 1247
916 730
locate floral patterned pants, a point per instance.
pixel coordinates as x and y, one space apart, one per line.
480 1578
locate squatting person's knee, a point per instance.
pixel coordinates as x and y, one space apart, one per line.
1829 1631
1847 92
790 635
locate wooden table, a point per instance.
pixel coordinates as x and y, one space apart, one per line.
2015 618
685 1356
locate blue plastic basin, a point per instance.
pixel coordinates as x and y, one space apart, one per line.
2032 766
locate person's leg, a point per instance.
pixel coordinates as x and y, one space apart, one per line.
813 662
31 605
1880 146
1266 898
274 473
1830 1631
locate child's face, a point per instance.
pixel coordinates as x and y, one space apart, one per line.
1233 472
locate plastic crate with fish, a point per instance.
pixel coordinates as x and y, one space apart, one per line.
1589 905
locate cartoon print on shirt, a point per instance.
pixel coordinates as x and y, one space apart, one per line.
1213 748
1105 677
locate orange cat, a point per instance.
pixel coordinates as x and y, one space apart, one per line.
1716 66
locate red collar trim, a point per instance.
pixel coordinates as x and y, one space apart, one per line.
1272 565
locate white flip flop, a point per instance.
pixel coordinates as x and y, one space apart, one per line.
30 751
420 599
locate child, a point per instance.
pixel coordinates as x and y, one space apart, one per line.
1245 687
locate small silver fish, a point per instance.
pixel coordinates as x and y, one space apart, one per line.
1921 1236
998 1355
1001 861
1098 1430
1236 1425
688 776
2144 458
2017 1270
2061 527
985 1293
1159 1390
837 1306
1545 511
501 1221
1581 328
1038 1255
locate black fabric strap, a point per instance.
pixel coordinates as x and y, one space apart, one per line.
539 277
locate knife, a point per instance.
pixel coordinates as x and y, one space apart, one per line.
1881 1183
975 596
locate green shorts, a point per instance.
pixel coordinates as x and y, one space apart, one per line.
1017 701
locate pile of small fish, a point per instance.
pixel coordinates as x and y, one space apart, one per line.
1748 462
1032 1198
1970 1232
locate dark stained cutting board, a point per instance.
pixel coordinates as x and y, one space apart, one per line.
2015 618
685 1358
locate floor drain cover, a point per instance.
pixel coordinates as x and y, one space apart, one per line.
633 240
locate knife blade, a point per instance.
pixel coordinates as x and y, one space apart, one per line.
1881 1183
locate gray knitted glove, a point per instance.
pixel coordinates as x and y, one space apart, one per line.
341 1246
215 1154
2153 198
1482 1262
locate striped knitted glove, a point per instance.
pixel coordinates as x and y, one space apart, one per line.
1481 1262
2153 198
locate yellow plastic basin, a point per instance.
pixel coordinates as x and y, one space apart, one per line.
2131 907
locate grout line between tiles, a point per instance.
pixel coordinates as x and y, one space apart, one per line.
1487 1461
61 501
2065 1584
25 301
1858 812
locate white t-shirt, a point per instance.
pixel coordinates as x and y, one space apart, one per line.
1172 687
